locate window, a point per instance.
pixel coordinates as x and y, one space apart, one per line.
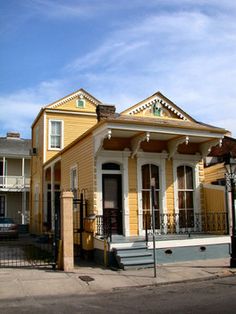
55 134
80 103
74 183
185 196
150 171
110 166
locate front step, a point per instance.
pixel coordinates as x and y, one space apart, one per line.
137 256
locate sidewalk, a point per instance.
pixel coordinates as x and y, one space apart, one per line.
20 283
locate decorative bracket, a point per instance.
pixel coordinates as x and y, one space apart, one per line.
136 142
173 144
98 140
205 147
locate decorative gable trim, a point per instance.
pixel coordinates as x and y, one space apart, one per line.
157 100
72 96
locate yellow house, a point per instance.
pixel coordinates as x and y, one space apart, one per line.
82 145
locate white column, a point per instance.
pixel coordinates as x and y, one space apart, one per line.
52 197
23 206
4 171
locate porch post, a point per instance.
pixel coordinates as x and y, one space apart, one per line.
67 231
23 193
4 171
52 198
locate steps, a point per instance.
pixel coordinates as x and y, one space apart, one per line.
136 256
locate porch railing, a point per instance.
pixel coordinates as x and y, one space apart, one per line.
104 226
204 223
14 182
187 223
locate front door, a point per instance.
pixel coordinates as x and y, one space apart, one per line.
112 201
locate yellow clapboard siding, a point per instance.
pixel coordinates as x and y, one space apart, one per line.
214 173
169 186
80 155
74 126
133 199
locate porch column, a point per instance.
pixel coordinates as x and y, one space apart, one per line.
52 198
23 209
67 254
3 171
45 197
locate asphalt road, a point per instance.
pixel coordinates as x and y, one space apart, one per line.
211 296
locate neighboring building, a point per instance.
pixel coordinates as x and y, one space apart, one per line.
15 177
79 144
215 161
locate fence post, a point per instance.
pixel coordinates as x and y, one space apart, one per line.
67 231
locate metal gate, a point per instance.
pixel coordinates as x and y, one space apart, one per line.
80 212
19 248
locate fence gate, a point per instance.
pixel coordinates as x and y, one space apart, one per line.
19 248
80 212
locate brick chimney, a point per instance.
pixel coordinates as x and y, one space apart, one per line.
13 135
105 111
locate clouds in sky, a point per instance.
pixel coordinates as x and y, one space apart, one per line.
121 53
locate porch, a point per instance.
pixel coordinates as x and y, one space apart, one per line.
204 236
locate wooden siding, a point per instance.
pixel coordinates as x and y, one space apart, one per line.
169 187
80 155
214 196
133 196
74 126
37 178
214 173
71 105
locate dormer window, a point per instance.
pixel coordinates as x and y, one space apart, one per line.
157 111
80 103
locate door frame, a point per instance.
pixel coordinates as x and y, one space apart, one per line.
119 221
120 158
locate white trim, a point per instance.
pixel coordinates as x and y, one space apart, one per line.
159 129
72 112
158 160
52 163
120 158
61 135
194 164
154 100
70 97
190 242
44 137
72 168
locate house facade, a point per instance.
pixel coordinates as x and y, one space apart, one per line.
15 177
79 144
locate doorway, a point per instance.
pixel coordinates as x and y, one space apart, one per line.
112 201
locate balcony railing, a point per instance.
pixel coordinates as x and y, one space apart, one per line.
14 182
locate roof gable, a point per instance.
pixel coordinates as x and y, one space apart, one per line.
77 101
157 106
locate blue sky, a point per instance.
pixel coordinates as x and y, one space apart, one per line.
119 51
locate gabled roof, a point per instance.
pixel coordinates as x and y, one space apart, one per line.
162 100
63 100
73 95
15 147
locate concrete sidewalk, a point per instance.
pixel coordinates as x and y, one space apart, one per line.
21 283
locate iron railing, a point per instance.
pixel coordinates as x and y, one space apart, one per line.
104 226
181 223
189 222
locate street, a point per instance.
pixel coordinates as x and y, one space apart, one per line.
210 296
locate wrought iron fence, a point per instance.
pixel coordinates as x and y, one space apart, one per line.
172 223
190 222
